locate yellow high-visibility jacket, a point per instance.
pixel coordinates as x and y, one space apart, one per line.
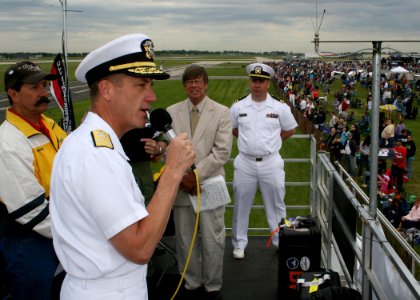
26 159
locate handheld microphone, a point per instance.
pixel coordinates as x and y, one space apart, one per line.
161 120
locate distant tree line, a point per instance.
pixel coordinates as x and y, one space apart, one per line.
49 55
225 52
32 55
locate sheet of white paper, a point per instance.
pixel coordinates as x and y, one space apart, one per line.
214 193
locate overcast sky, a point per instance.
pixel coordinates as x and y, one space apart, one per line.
243 25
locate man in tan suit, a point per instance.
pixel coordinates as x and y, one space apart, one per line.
209 126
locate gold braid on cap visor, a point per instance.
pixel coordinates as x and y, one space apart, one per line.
142 64
260 76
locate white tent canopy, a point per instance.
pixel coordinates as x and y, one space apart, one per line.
399 69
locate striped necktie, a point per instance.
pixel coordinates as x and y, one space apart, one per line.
194 119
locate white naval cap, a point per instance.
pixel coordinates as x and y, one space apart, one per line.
131 54
258 70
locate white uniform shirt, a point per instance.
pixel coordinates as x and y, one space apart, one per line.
93 197
260 125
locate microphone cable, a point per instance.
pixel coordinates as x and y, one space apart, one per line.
161 120
197 218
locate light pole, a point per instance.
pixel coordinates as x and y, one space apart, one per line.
64 11
64 38
67 107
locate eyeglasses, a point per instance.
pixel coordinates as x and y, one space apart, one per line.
194 82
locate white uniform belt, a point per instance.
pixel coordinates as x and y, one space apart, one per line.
120 282
258 157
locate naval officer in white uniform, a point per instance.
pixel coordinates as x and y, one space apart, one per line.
103 233
261 123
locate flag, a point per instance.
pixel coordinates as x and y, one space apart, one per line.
61 93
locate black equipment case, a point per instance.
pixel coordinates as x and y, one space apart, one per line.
310 283
324 284
299 251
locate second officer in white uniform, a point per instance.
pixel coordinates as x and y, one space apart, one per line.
261 123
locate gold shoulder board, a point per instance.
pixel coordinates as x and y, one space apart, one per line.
101 139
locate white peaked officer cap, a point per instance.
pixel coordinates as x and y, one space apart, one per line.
258 70
131 54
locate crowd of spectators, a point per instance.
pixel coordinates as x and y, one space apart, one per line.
306 85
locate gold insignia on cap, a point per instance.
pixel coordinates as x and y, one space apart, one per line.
257 70
145 70
132 65
147 45
101 139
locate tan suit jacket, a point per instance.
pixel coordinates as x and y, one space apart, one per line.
212 140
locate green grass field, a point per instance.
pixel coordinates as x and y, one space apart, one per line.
46 66
227 91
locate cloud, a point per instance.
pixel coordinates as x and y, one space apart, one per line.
243 25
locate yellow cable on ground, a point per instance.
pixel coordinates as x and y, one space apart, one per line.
197 218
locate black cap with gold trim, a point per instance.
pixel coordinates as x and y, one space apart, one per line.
131 54
258 70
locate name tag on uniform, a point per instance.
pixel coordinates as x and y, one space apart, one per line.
272 116
243 115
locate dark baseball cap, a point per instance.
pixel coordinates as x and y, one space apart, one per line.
25 72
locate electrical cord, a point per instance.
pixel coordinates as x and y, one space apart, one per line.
197 218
